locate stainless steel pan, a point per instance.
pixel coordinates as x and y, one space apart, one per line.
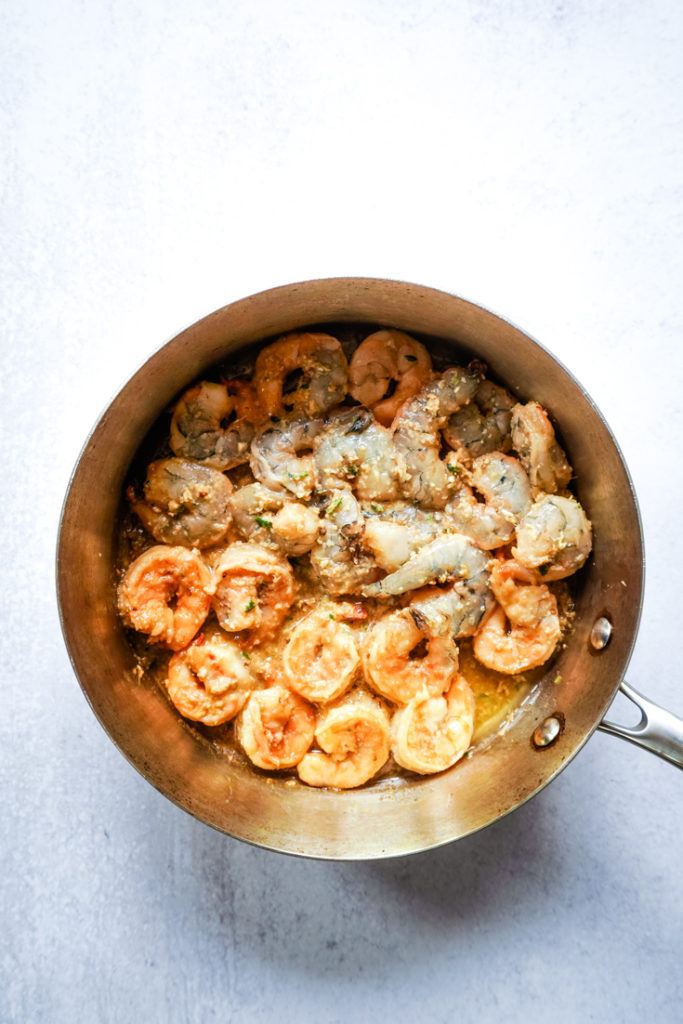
386 819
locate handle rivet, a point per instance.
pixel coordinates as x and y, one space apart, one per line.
547 732
601 633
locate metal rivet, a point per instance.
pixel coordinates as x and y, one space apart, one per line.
547 732
601 633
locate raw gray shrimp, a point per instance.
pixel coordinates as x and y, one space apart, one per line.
482 426
281 455
354 451
201 429
337 557
506 490
271 517
554 537
448 557
417 434
533 438
455 610
184 503
323 368
394 532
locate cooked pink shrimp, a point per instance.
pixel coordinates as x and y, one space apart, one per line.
385 358
523 629
275 728
355 739
254 590
395 666
321 657
166 593
210 680
324 374
202 429
433 732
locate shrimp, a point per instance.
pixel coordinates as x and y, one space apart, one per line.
523 629
391 544
506 490
321 657
433 732
184 503
275 728
166 593
448 557
321 363
384 359
399 662
281 456
209 681
396 532
269 517
455 610
554 537
486 527
201 429
482 426
337 558
355 740
533 438
254 590
417 434
354 451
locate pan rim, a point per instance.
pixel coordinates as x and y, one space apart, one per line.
271 293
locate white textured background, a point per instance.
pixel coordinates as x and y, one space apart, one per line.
162 159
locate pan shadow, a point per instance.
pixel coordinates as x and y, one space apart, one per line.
339 920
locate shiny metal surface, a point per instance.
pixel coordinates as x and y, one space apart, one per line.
601 633
547 732
389 818
658 730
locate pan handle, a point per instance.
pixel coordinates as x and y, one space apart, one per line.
658 730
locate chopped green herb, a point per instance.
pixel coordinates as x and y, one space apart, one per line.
454 468
332 616
249 607
265 523
353 470
377 508
333 508
246 656
557 679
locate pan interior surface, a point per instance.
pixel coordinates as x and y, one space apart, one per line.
395 816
